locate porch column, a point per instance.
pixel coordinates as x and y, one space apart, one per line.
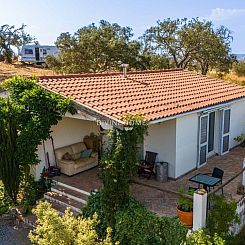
243 174
199 209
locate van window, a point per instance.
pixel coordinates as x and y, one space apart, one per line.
28 51
44 51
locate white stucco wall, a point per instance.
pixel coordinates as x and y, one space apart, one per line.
186 143
66 132
161 139
237 125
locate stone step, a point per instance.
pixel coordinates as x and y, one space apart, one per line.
64 201
70 193
55 182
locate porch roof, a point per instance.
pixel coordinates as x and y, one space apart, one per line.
154 94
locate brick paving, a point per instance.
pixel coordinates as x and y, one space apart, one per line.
164 203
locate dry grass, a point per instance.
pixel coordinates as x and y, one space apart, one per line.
8 70
231 77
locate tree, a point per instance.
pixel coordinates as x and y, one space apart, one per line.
239 68
26 118
191 42
96 49
54 229
10 36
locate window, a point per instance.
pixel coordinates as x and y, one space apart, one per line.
44 51
28 51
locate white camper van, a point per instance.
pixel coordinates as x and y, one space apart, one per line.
36 53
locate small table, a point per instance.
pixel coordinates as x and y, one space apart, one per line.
205 180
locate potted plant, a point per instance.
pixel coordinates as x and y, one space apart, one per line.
240 139
185 208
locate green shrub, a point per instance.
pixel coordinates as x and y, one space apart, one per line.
33 190
54 229
239 68
136 225
4 200
199 237
221 216
94 205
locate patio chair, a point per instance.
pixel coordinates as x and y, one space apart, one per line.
218 173
146 167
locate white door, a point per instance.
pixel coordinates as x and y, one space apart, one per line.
203 139
225 131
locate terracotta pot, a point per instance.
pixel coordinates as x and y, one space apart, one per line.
185 217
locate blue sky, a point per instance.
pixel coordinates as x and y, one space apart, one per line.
46 19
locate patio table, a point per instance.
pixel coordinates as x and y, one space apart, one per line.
205 180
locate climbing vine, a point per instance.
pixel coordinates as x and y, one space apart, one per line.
119 165
26 117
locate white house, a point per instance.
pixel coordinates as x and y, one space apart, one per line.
191 117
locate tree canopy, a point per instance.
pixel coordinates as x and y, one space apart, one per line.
96 49
11 36
191 43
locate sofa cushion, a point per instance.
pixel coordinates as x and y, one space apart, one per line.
76 155
83 162
78 147
67 161
94 154
60 152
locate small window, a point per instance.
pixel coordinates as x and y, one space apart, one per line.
44 51
28 51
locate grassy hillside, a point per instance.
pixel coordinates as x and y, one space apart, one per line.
8 70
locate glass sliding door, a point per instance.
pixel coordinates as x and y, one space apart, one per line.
203 139
211 133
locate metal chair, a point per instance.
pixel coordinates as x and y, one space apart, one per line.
218 173
147 166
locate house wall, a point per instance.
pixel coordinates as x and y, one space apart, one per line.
161 138
237 125
66 132
186 143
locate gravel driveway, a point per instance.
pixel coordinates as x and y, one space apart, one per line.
11 234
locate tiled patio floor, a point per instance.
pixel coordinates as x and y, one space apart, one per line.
164 203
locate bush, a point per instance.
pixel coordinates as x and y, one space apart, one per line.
94 205
200 237
53 229
239 68
136 225
221 216
33 190
4 200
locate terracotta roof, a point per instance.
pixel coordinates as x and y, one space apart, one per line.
154 94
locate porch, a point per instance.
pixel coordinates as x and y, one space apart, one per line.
163 203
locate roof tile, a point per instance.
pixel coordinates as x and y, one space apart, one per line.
154 94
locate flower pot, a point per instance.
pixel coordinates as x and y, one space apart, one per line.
185 217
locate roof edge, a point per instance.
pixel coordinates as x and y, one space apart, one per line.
105 74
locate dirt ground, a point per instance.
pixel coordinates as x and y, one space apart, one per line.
7 70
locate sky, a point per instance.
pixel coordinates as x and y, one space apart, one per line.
46 19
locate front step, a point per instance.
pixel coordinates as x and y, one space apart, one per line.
67 196
70 193
63 200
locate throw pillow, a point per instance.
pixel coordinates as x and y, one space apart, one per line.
86 153
67 156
